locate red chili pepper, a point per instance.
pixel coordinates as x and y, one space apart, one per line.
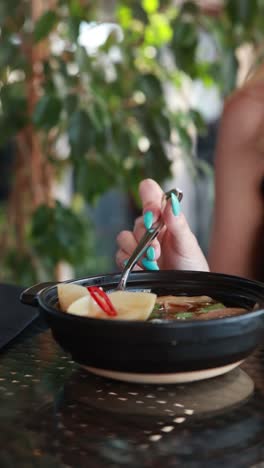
102 299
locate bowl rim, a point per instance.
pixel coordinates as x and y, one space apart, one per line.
113 277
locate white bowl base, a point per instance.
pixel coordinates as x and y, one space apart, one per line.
171 378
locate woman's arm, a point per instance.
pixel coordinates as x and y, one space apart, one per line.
237 239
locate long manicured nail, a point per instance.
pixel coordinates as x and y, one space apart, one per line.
151 253
175 204
149 265
148 219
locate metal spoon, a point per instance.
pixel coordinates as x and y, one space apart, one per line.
145 241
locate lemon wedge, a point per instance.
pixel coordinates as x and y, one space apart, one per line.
86 307
133 305
129 306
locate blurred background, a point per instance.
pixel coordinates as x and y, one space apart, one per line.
94 97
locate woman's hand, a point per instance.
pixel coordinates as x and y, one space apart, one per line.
175 247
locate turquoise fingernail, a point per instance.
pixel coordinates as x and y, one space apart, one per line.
148 219
149 265
125 262
151 253
175 204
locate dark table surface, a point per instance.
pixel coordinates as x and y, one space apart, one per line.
54 414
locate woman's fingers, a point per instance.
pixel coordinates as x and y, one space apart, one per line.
127 242
182 241
151 197
181 235
121 259
139 232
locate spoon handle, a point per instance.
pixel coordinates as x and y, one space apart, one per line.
142 246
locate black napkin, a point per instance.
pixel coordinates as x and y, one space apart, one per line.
14 316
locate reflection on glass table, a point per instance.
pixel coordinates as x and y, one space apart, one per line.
53 413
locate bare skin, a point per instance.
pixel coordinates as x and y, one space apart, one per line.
237 239
175 248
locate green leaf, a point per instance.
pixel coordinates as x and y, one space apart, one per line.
47 112
163 127
198 121
14 15
14 109
184 44
45 25
81 133
124 15
185 33
159 31
13 98
185 139
190 7
71 102
229 69
150 6
150 86
156 164
60 234
19 269
8 54
76 8
73 27
92 180
242 11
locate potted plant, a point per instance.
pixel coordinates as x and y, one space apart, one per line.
98 113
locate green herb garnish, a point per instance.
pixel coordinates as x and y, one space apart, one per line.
184 315
156 312
211 307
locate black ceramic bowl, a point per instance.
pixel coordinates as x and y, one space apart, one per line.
164 352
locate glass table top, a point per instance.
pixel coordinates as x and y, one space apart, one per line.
56 414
